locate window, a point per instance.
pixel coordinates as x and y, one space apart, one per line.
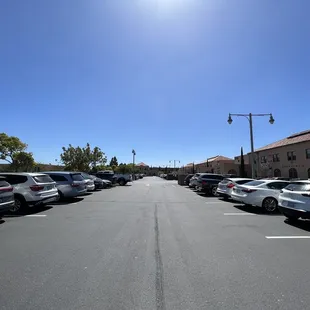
277 185
15 179
255 183
43 178
277 173
58 178
263 159
275 158
293 173
298 186
243 181
308 153
291 156
77 177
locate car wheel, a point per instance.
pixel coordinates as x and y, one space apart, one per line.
270 204
18 205
121 182
213 191
60 196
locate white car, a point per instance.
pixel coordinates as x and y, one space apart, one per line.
225 187
31 189
294 200
260 193
90 184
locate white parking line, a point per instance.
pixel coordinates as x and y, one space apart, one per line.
239 213
35 215
287 237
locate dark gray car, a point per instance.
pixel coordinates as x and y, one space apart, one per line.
6 196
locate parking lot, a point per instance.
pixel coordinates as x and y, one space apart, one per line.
153 245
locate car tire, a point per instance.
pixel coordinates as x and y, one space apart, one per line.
270 204
19 205
61 196
213 191
121 182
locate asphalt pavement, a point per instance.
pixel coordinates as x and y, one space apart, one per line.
153 245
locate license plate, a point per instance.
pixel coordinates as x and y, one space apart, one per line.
49 187
290 204
237 191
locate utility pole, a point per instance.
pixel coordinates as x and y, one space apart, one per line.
249 117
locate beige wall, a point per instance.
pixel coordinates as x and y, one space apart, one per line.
220 167
301 164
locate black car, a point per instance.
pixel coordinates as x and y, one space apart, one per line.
99 183
208 182
187 179
107 175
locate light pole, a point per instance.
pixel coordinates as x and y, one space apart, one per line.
133 160
174 161
250 119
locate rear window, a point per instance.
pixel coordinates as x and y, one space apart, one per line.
77 177
43 178
298 187
14 179
4 184
58 178
243 181
255 183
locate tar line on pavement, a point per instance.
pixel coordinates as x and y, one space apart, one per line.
159 285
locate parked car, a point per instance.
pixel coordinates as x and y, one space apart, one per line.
193 180
260 193
69 184
90 184
187 179
107 175
31 189
99 183
294 200
208 182
226 186
6 196
123 179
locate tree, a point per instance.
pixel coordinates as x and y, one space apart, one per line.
10 146
23 161
82 159
113 162
242 168
124 169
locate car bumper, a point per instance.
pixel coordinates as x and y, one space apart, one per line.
90 187
6 206
294 212
43 200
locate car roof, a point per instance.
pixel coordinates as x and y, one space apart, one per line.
301 181
61 172
238 179
32 174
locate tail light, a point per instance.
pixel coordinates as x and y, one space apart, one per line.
6 189
204 182
75 184
249 190
36 188
230 185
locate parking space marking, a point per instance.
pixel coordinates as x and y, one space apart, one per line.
214 201
35 215
240 213
287 237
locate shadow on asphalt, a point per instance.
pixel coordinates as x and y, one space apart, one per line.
68 201
301 224
29 211
254 210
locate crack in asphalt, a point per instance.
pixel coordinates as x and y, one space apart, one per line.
159 284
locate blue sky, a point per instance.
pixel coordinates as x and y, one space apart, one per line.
159 76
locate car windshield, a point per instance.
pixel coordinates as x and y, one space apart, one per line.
298 187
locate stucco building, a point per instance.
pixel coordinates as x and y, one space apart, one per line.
289 157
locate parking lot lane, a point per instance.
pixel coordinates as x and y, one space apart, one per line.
152 247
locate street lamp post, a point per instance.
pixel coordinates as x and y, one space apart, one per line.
133 160
250 119
174 161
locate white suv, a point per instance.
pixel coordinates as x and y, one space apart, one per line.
31 189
